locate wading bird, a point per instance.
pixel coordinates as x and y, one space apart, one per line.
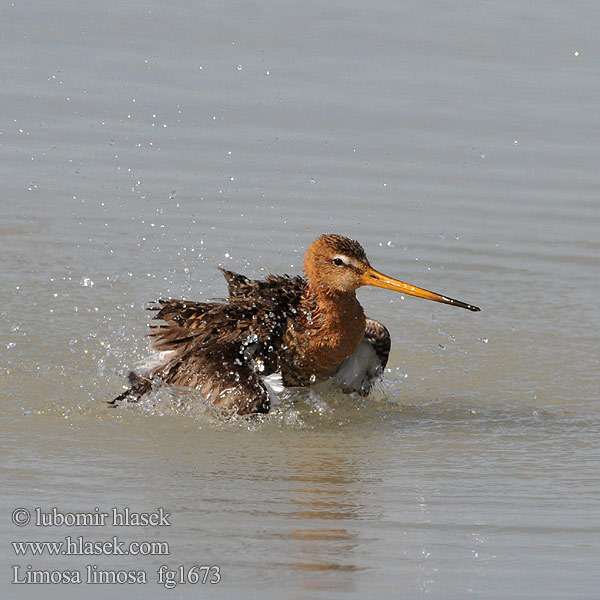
307 329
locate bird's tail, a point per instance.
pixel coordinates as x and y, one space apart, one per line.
139 386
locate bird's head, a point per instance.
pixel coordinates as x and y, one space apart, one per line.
335 264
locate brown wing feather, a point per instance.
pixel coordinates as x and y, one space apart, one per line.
258 308
378 336
220 377
276 286
237 284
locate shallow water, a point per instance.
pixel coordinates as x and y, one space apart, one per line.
144 144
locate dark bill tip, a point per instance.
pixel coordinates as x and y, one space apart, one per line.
460 304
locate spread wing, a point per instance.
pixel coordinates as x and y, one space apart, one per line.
223 348
257 311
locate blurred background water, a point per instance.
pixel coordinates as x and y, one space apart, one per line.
144 143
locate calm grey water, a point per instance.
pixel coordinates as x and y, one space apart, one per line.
144 143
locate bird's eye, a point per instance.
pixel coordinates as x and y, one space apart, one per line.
338 262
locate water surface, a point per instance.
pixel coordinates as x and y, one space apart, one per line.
144 144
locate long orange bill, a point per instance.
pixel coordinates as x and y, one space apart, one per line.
377 279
